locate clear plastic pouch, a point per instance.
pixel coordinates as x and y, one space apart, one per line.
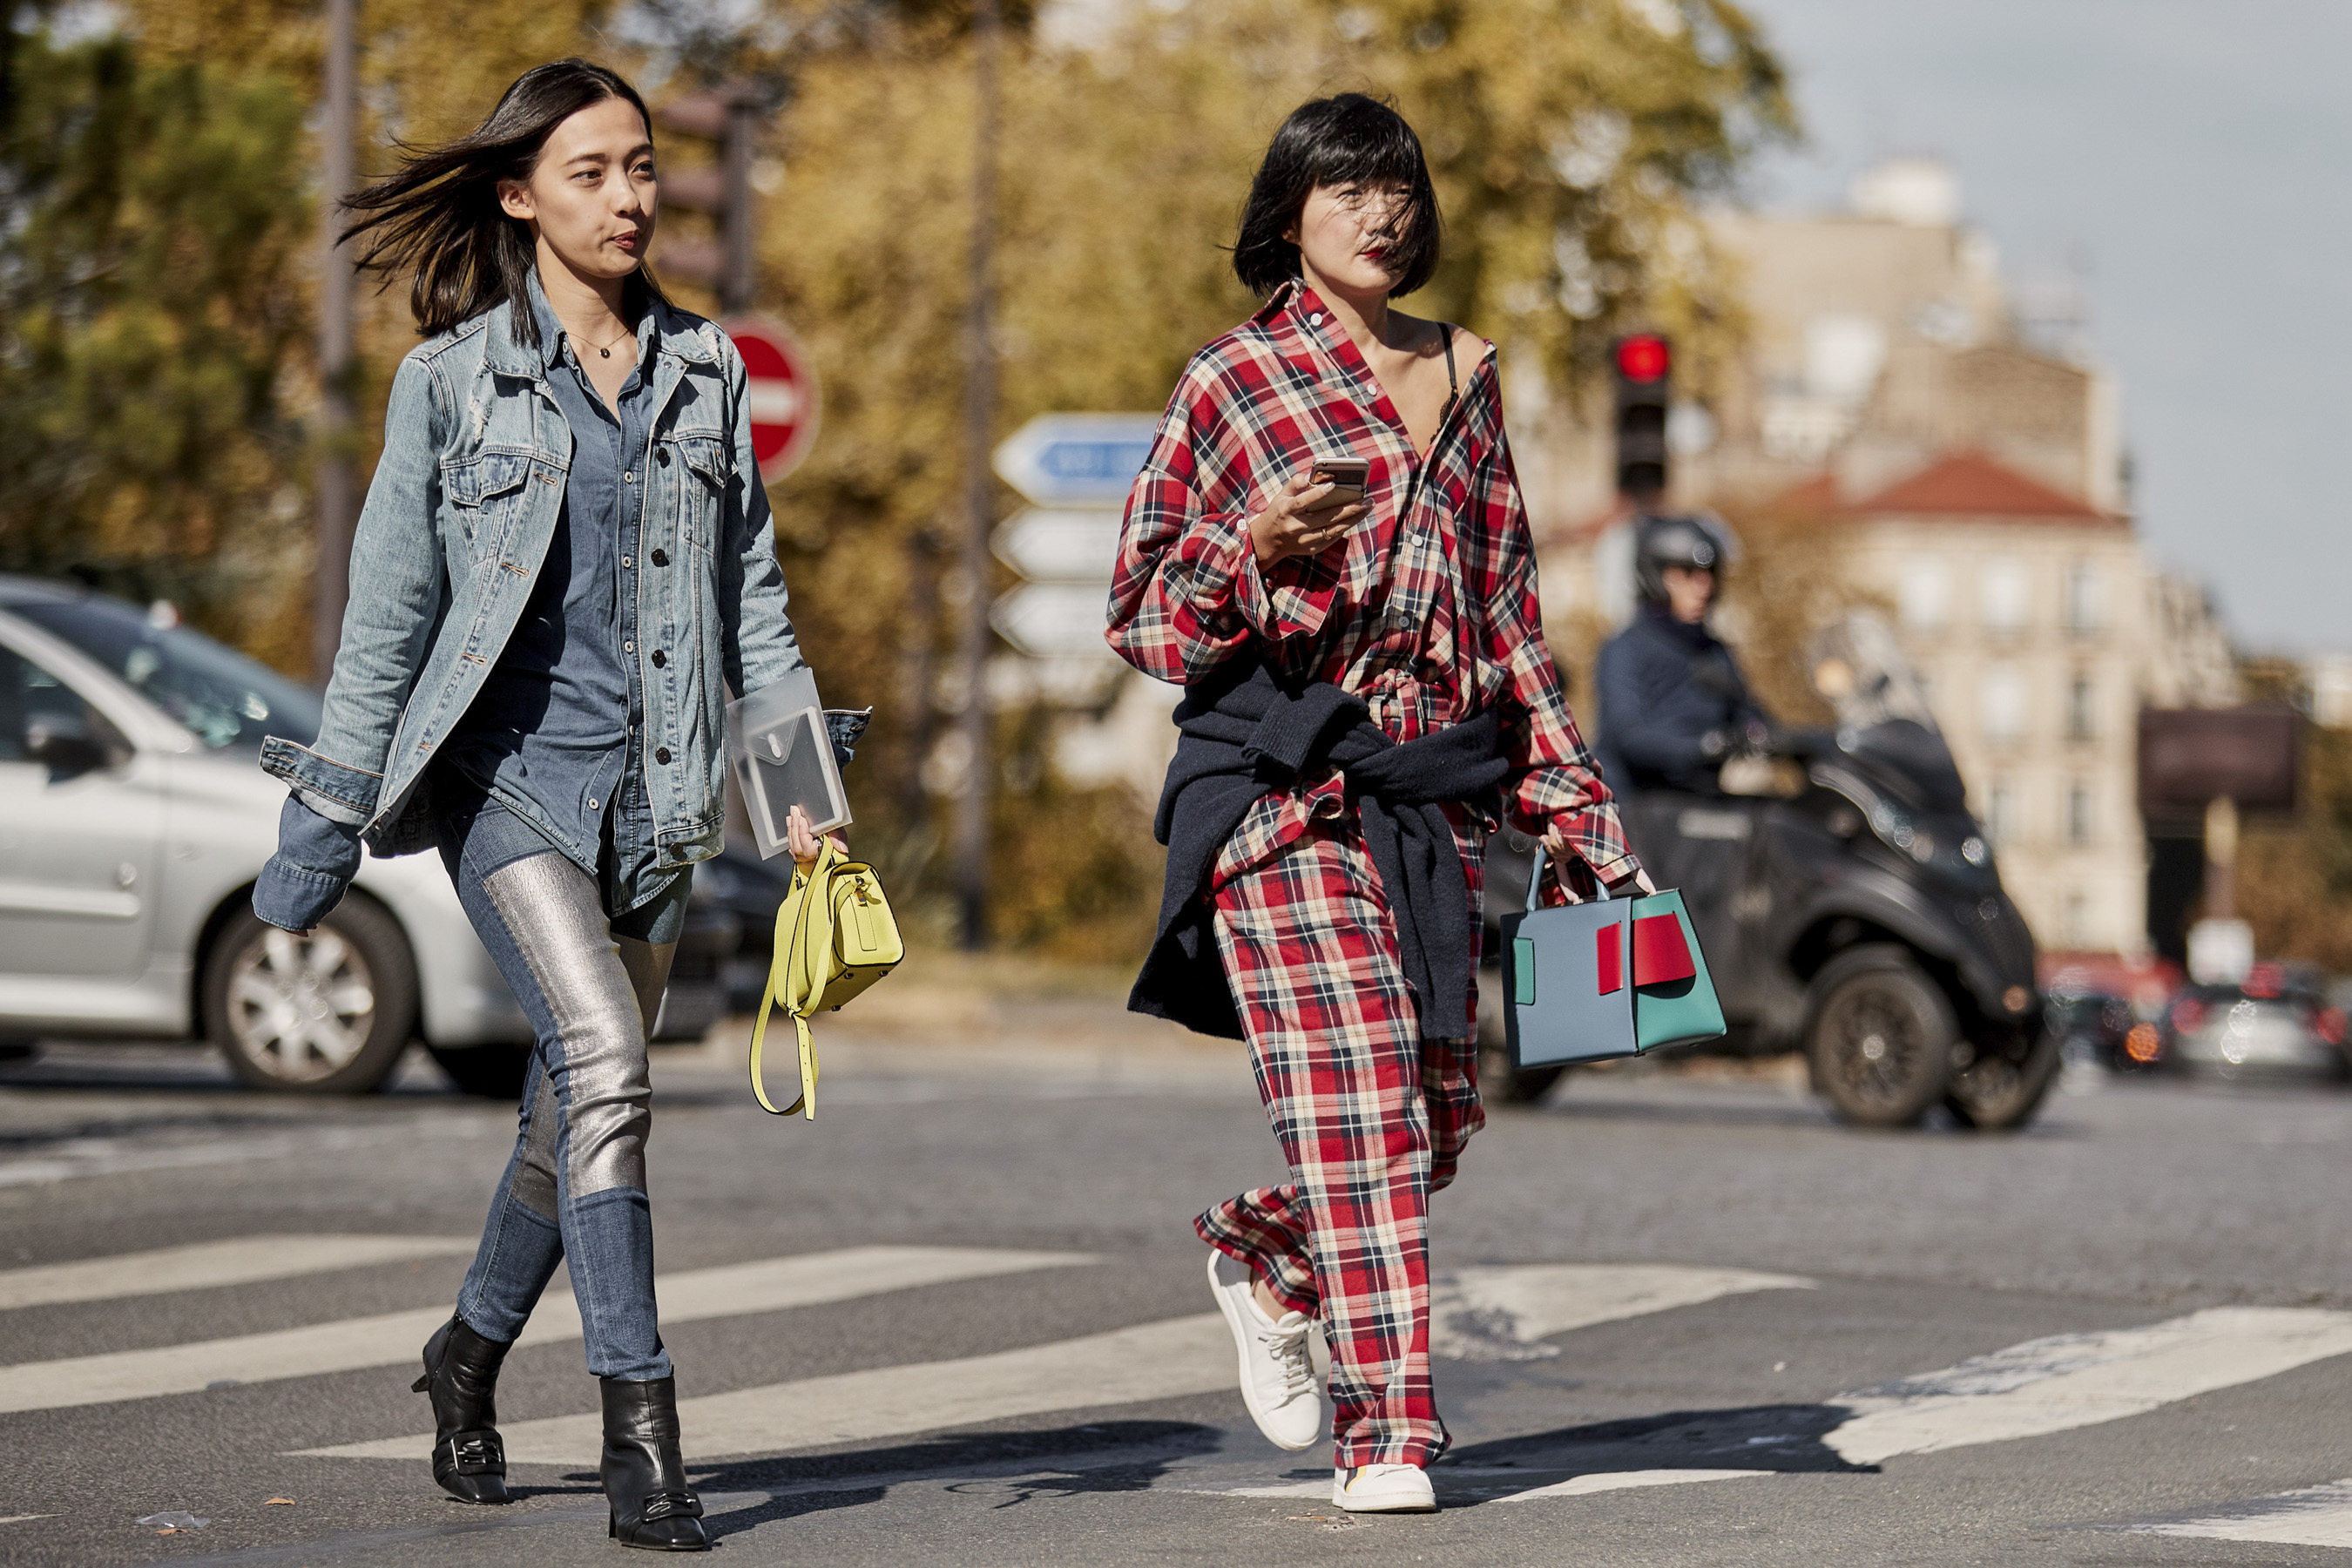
782 746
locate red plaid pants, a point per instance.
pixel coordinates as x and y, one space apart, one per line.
1372 1117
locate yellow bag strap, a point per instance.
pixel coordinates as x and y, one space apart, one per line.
804 948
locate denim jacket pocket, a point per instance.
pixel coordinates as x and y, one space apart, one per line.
482 489
702 488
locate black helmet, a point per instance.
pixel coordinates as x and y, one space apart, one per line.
1700 543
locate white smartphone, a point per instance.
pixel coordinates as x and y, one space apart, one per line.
1346 474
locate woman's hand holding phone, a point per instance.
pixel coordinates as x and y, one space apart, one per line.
1305 516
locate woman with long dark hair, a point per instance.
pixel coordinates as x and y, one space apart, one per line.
565 560
1368 692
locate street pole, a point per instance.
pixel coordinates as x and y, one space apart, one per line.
337 483
742 125
980 417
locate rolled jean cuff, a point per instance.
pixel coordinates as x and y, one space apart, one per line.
293 899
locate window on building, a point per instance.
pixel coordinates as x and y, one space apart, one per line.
2000 813
2001 704
2082 710
1925 593
2087 598
2078 920
2080 826
2004 596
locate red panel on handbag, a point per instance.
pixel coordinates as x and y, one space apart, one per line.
1610 952
1661 956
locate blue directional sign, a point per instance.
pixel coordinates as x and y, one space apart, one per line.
1076 459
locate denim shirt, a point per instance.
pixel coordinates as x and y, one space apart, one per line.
556 723
459 521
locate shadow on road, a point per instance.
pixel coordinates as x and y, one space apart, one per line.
1785 1438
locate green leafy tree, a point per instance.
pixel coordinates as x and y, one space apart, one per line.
150 283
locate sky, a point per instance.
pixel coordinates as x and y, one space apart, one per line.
2187 163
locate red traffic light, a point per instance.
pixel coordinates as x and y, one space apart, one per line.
1644 357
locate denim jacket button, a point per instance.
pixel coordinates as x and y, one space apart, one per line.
661 557
662 457
661 753
660 658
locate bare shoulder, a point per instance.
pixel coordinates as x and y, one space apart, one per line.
1430 338
1469 348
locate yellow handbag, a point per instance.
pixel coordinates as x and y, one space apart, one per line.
834 937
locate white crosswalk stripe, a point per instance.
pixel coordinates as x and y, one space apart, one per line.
1166 1360
2081 1379
1506 1313
2316 1516
240 1261
1153 1360
393 1338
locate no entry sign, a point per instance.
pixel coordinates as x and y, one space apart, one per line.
783 394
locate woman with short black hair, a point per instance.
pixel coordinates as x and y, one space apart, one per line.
1368 691
565 560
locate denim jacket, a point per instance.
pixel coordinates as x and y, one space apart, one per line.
457 522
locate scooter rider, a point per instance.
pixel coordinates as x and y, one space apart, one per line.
1673 701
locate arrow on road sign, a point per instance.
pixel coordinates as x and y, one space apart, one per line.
780 393
1076 459
1047 618
1061 545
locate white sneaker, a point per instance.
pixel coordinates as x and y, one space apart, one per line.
1383 1488
1278 1376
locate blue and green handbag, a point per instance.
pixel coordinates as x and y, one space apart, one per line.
1596 981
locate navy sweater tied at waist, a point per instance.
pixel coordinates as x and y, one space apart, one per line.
1245 736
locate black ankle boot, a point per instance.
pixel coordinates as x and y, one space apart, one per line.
644 1477
461 1374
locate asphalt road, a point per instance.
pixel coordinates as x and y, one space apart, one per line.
958 1320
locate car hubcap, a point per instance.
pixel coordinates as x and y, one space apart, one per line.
300 1008
1879 1042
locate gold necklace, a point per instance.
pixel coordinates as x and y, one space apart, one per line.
606 349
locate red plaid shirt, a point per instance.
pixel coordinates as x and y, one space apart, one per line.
1429 611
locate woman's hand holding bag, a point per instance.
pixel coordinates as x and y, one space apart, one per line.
834 937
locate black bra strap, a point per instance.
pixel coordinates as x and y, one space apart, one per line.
1452 383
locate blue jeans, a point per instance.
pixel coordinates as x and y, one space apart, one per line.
574 1188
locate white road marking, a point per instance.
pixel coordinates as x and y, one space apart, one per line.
2067 1380
1506 1313
393 1338
2316 1516
1625 1480
242 1260
1166 1360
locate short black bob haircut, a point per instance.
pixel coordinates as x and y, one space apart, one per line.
1333 141
438 221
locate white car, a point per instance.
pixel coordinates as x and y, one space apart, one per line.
133 823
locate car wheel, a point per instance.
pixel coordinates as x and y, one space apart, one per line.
1880 1036
1994 1094
326 1013
489 1072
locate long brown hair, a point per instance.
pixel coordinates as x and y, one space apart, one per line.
439 216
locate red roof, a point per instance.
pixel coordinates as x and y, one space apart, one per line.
1970 484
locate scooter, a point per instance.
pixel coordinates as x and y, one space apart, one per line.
1849 906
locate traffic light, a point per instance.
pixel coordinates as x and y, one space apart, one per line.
729 117
1641 367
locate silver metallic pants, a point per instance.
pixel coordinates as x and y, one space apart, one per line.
574 1189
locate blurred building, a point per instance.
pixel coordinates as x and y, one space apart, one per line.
1966 456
